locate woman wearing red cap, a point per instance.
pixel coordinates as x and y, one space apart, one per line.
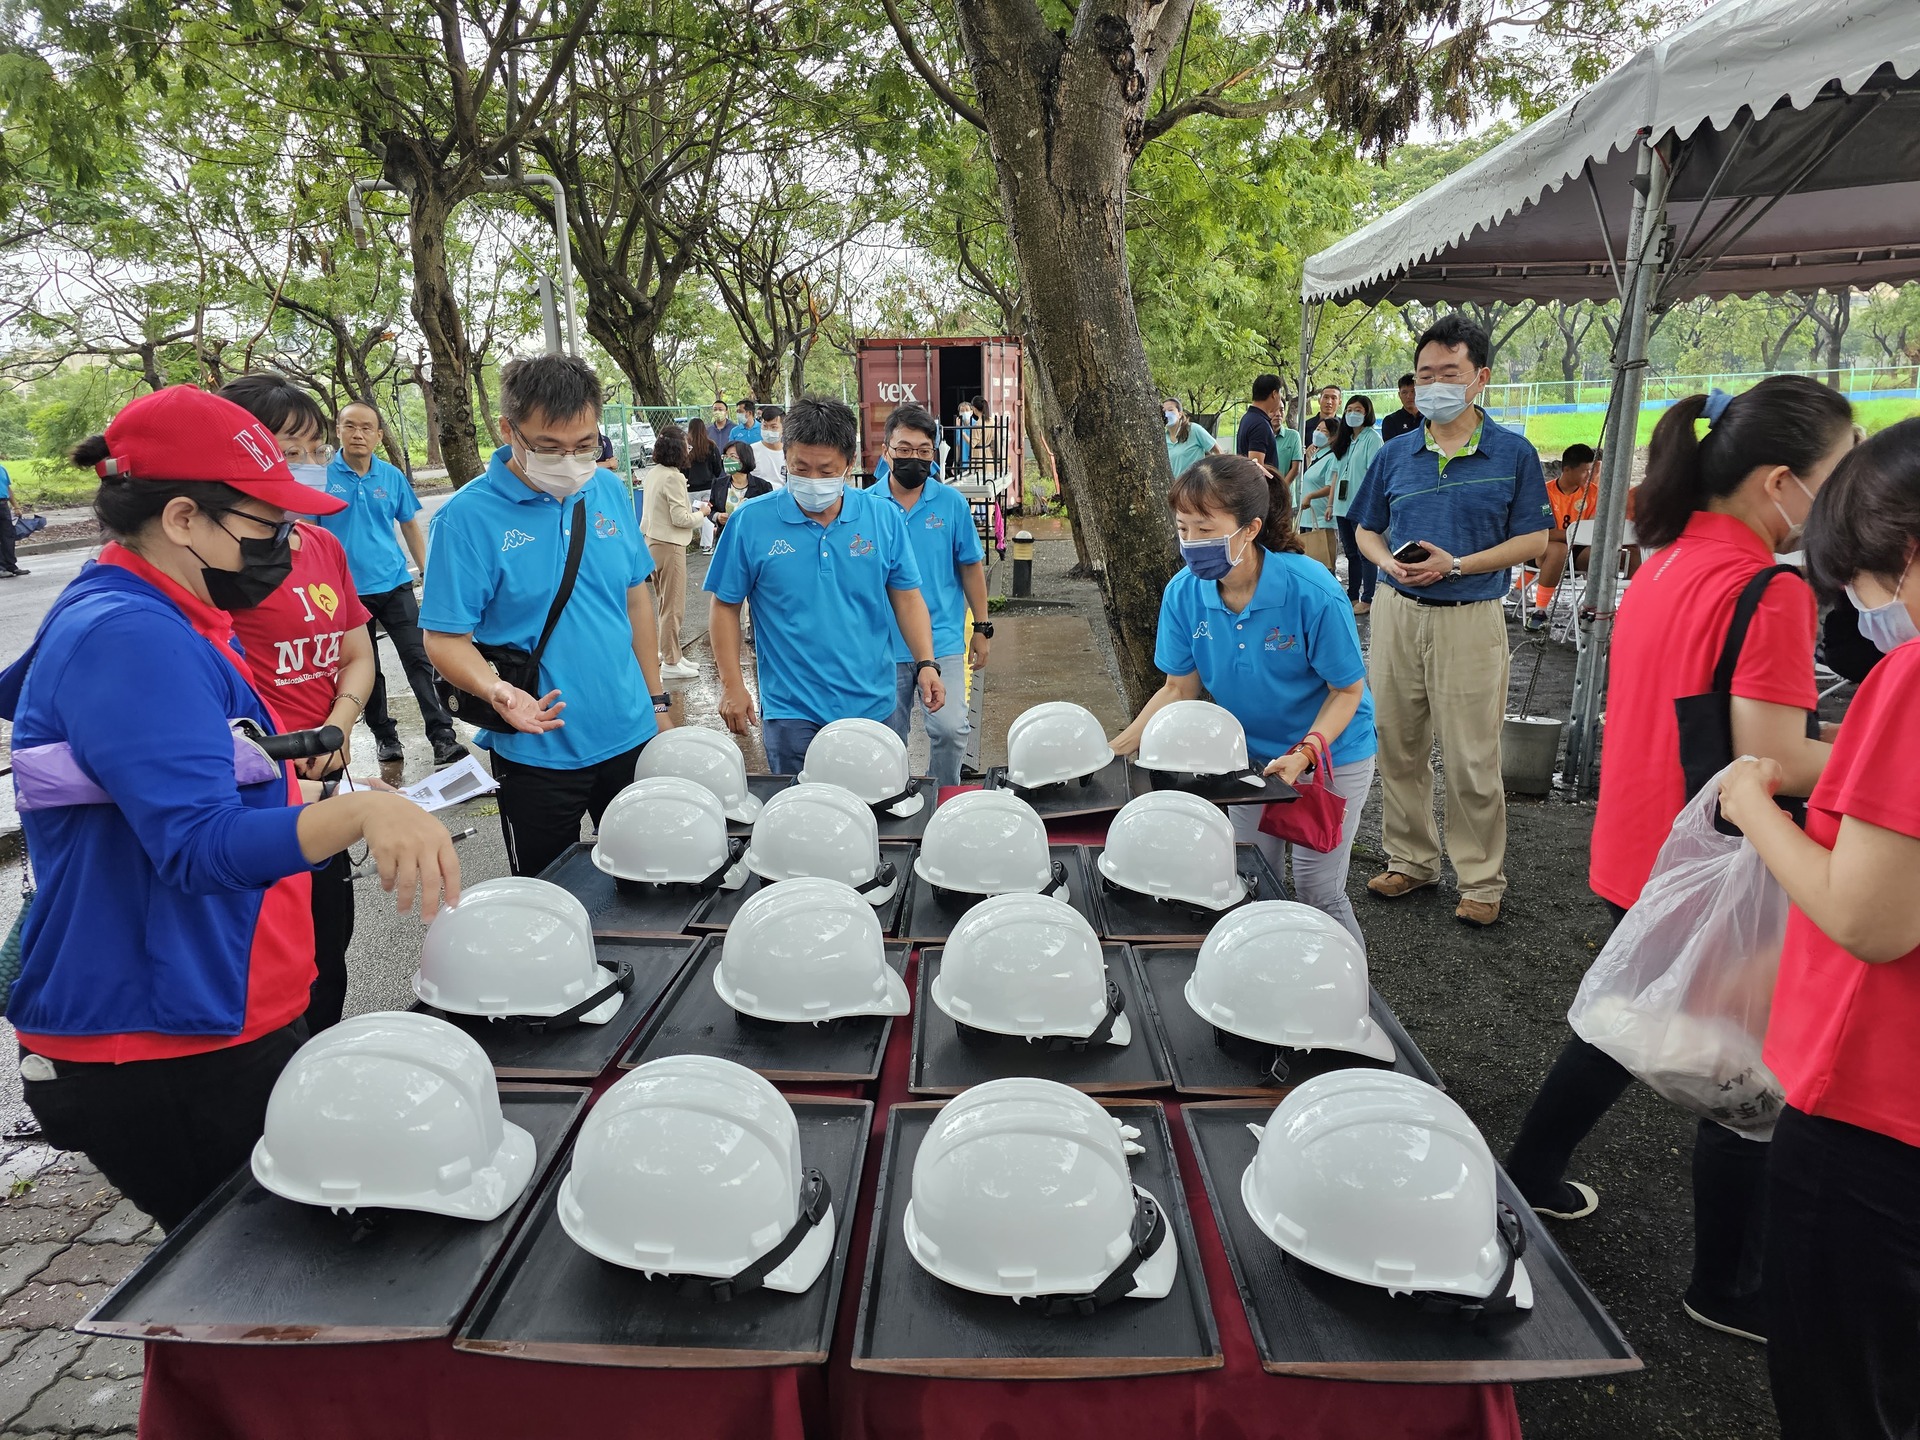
167 956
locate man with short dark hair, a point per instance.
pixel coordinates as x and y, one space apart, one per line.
1446 512
500 548
1261 437
832 579
1407 417
380 499
1573 496
1327 418
746 421
953 581
769 451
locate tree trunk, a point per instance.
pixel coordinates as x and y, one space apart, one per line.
436 309
1836 333
796 370
763 373
1086 549
431 401
490 426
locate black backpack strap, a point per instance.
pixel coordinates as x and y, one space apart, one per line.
576 547
1743 613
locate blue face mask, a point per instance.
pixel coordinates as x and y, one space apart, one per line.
1321 438
1886 627
815 496
1356 418
1211 559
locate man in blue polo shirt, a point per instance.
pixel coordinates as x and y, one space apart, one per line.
498 558
832 579
380 500
1446 511
9 564
953 580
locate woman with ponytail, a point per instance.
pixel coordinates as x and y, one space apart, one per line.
1269 635
1730 482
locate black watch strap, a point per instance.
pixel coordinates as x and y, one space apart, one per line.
919 665
983 627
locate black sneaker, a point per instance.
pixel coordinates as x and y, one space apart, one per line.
1739 1315
388 751
448 751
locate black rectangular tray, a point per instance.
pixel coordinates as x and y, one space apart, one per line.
929 919
1141 920
1101 793
1201 1067
942 1065
763 788
717 912
551 1300
619 909
249 1268
891 828
1306 1322
694 1020
1227 791
582 1052
912 1324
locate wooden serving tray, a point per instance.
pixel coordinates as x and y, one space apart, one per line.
1139 919
1101 793
621 910
717 913
930 920
1270 791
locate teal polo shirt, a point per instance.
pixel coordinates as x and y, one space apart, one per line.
376 502
496 552
941 535
1491 492
1181 454
1270 664
823 626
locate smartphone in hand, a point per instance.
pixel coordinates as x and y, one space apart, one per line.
1411 553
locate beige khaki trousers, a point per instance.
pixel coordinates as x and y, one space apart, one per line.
669 581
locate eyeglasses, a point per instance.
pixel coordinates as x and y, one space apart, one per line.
281 528
587 449
357 427
298 454
900 450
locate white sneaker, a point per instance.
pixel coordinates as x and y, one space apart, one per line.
684 670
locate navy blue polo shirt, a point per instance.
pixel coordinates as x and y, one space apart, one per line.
823 625
495 556
1491 492
1255 434
941 534
376 502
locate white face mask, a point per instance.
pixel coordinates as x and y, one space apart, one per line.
313 476
771 439
560 476
1795 528
816 496
1442 402
1887 627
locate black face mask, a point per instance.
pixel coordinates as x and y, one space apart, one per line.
264 566
912 473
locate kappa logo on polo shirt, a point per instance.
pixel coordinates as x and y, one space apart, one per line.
859 545
514 540
780 547
1201 632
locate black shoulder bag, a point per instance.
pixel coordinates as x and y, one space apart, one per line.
519 668
1706 721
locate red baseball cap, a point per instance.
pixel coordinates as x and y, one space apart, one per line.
181 435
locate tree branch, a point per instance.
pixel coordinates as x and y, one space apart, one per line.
935 81
1213 101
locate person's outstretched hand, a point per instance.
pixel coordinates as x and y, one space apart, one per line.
414 852
526 714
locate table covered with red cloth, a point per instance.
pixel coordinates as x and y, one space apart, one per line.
426 1390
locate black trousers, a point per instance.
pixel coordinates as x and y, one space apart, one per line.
166 1133
540 809
8 560
1843 1281
398 613
332 934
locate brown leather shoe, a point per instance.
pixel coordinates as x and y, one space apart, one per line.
1479 913
1391 885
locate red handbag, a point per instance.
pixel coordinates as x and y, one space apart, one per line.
1316 820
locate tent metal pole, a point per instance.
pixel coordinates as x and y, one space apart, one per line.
1309 314
1646 256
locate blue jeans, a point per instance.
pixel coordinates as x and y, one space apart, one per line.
947 727
786 742
1362 573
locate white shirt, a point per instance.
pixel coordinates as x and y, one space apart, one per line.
770 465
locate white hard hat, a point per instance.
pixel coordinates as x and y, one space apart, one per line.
1053 743
987 842
867 758
823 832
1379 1178
669 831
707 758
1286 974
521 949
1030 965
1194 737
807 950
394 1111
1021 1188
690 1165
1174 846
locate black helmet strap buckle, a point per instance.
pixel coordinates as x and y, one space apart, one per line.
1148 1233
816 1203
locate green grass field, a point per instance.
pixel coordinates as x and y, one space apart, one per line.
1552 434
49 484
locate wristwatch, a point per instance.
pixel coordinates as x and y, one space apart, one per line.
919 665
1455 572
983 627
662 704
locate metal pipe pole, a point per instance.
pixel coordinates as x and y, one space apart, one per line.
1306 357
562 240
1646 256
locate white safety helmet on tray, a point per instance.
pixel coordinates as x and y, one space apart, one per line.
1379 1178
669 831
807 950
1031 966
691 1166
988 842
867 758
1174 846
1286 974
393 1111
707 758
822 832
1021 1188
1055 742
1194 737
521 949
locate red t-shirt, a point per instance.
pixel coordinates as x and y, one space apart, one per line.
1844 1037
293 640
1672 625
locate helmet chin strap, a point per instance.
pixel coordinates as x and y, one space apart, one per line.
620 984
816 1203
1148 1233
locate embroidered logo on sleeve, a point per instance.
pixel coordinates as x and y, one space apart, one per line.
780 547
514 540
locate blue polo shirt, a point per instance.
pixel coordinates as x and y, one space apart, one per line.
496 552
376 502
1489 493
1270 664
6 484
941 535
823 626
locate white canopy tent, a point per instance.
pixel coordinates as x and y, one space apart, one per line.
1768 145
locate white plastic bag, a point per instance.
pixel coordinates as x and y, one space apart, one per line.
1680 993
